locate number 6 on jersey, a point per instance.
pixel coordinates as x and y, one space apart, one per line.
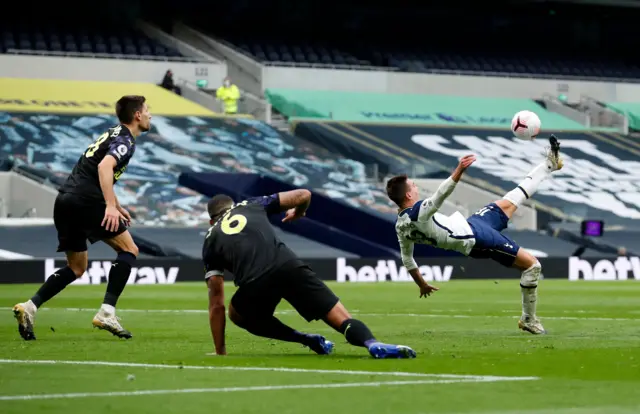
231 225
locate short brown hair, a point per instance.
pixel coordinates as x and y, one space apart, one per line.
127 106
397 188
218 205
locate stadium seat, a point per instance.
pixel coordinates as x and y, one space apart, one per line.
97 39
101 48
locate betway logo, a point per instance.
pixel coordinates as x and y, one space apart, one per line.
388 270
605 269
99 271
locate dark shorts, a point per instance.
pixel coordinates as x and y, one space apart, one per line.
299 286
487 225
78 220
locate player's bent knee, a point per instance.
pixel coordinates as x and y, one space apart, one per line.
78 262
530 277
133 249
123 243
507 206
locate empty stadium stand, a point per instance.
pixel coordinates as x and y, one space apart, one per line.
410 109
481 41
52 31
98 42
301 54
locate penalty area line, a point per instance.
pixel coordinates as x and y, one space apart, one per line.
241 389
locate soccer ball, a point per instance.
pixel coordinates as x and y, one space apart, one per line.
525 125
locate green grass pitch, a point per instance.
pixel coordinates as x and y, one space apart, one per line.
471 356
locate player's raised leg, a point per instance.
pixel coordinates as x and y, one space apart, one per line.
530 184
25 312
526 262
119 273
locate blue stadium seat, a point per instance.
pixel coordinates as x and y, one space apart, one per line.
115 48
85 47
101 48
130 49
9 44
70 46
94 39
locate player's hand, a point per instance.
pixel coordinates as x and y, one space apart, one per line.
466 161
292 214
427 290
111 220
125 215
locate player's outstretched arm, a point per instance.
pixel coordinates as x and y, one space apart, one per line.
217 316
433 203
295 203
406 252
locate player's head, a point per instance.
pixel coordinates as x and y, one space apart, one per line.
402 191
133 110
218 205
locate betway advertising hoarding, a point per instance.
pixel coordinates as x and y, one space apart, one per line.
341 270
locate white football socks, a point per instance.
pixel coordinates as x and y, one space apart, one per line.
108 309
529 288
30 306
529 301
529 186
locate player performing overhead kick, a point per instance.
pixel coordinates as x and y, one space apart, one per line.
87 208
478 236
242 241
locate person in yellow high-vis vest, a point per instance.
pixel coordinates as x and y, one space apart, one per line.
229 95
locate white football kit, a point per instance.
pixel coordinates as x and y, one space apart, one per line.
423 224
480 235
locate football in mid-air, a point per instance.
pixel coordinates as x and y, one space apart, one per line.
525 125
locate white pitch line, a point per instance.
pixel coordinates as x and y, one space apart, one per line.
239 389
421 315
271 369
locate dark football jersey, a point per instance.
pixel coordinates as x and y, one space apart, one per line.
84 180
244 243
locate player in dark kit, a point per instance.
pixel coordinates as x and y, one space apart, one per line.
87 208
242 241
